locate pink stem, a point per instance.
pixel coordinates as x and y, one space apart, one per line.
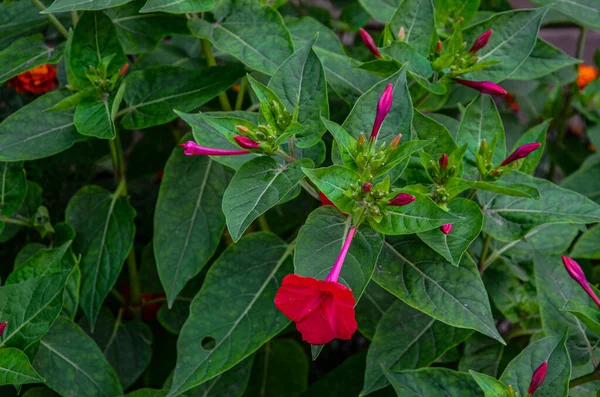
334 274
591 293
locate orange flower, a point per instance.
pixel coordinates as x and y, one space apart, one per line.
585 75
37 80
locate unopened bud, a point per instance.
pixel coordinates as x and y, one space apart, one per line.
3 327
439 48
123 70
366 187
246 142
483 147
369 43
447 228
485 87
361 139
402 199
495 173
383 108
521 152
395 142
243 130
577 274
401 34
443 162
538 378
481 41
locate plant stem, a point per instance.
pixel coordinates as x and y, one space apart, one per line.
15 221
118 296
308 187
585 378
421 100
53 19
211 61
134 282
581 43
74 18
116 151
239 102
264 225
484 251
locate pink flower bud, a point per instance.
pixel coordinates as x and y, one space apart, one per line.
366 187
369 43
443 162
577 274
486 87
521 152
481 41
402 199
401 34
246 142
193 149
394 143
383 108
123 70
538 378
447 228
3 327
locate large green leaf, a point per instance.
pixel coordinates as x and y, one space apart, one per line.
520 370
87 5
424 339
429 382
126 346
188 221
481 122
491 386
514 37
139 33
233 314
548 239
31 315
300 84
585 11
231 383
152 94
509 189
15 368
13 187
382 10
418 20
33 199
178 6
448 12
25 54
30 134
18 18
481 354
43 263
373 305
555 289
257 186
93 117
304 29
464 230
419 216
426 128
587 314
73 365
509 219
105 230
587 246
94 39
320 241
585 180
543 60
254 34
333 181
424 280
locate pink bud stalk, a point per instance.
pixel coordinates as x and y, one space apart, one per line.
443 162
246 142
447 228
3 327
193 149
369 43
486 87
538 378
334 274
521 152
577 274
383 108
402 199
481 41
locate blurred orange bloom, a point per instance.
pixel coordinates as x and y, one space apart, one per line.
37 80
586 74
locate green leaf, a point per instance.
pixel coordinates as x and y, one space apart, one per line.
548 239
43 263
18 18
433 382
33 199
587 314
73 365
94 40
490 386
126 346
555 290
333 181
178 6
345 142
587 245
233 314
231 383
424 280
188 221
520 370
93 117
481 354
300 84
254 34
320 241
452 246
88 5
141 33
586 12
398 121
426 128
508 189
257 186
371 308
514 37
402 153
447 12
381 10
423 341
481 122
13 187
405 53
27 53
543 60
30 316
71 298
507 219
154 92
30 134
105 230
535 134
417 19
147 393
280 369
419 216
584 181
15 368
303 31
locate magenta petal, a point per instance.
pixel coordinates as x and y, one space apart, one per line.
521 152
193 149
369 43
402 199
481 41
246 142
383 108
538 378
486 87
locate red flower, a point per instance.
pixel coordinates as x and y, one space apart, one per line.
37 80
149 311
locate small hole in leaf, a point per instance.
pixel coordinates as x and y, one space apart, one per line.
208 343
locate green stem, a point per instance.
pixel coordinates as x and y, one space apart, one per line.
585 378
118 296
211 61
421 100
53 19
116 151
74 18
239 102
484 251
514 333
264 225
308 187
134 282
15 221
581 43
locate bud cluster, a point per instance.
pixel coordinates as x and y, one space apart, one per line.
262 137
441 171
372 158
283 118
99 78
371 199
